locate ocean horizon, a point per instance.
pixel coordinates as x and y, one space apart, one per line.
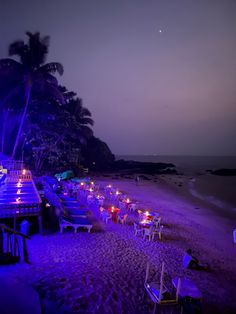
187 163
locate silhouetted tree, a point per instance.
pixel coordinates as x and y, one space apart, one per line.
54 131
30 77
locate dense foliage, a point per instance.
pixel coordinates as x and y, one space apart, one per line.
41 121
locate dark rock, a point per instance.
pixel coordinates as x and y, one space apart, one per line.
144 177
97 155
131 167
224 172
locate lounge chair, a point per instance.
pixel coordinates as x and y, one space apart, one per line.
75 222
158 292
77 212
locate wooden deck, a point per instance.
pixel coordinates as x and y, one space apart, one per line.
19 197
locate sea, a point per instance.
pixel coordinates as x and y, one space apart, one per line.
187 164
217 190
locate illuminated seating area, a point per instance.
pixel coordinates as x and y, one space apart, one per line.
18 195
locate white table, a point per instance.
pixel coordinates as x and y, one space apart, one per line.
187 288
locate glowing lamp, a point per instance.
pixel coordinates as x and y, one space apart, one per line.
127 200
47 205
92 183
82 183
18 199
147 213
90 190
18 191
109 186
117 192
23 171
19 185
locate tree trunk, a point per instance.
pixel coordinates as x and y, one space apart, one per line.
4 115
27 93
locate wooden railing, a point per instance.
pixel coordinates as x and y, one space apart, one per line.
11 164
13 248
16 175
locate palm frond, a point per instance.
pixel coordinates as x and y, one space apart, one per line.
38 49
52 92
18 48
8 64
50 79
86 120
52 68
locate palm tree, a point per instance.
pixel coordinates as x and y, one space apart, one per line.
78 119
31 75
57 130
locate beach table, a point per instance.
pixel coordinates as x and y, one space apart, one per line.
146 224
114 212
187 288
154 215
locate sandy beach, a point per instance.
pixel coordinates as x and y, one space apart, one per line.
103 272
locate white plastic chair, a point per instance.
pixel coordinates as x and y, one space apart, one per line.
106 217
122 219
148 232
157 230
137 230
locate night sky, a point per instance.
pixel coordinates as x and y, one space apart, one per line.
158 76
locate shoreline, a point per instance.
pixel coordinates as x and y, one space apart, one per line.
207 190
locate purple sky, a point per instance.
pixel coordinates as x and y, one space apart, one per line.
150 92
